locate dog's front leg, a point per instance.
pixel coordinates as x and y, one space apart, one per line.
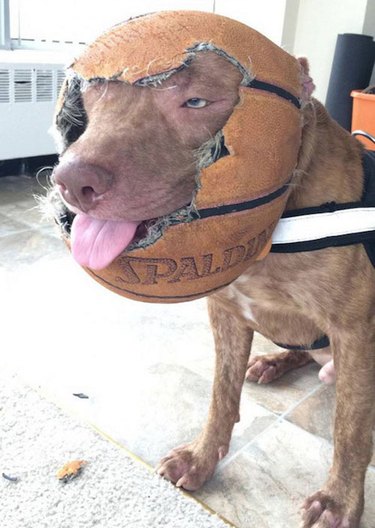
340 503
190 465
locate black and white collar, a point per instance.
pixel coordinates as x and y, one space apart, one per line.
330 224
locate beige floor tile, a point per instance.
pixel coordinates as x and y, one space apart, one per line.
315 414
176 416
265 485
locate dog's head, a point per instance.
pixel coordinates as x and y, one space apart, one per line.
244 166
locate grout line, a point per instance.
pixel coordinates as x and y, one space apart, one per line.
311 393
279 419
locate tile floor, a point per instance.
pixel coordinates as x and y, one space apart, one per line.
147 370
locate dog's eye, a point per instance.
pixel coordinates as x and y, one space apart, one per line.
196 102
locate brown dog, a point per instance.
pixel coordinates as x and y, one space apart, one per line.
289 298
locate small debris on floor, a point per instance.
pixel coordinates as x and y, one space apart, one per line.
71 470
80 395
11 479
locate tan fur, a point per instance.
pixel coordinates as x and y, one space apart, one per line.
295 299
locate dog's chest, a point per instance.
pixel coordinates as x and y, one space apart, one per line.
241 302
268 309
256 293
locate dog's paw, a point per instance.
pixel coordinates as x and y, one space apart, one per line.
267 368
327 373
320 510
263 370
188 466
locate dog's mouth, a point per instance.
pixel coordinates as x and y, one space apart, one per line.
97 243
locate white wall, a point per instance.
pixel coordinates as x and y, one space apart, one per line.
369 25
38 18
290 25
318 24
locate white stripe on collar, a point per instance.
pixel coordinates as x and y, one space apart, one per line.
322 225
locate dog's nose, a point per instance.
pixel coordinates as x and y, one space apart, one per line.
80 184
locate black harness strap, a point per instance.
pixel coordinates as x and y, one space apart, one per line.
368 197
321 342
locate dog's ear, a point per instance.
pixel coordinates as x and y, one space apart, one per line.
307 82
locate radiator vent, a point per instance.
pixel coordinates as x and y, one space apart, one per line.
30 85
4 86
44 85
22 86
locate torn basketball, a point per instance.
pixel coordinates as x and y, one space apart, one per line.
242 189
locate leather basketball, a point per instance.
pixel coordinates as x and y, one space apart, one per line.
242 194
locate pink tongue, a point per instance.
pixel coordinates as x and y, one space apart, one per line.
96 243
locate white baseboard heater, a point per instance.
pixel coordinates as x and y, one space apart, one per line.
30 82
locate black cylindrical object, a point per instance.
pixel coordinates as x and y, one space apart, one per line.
351 70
